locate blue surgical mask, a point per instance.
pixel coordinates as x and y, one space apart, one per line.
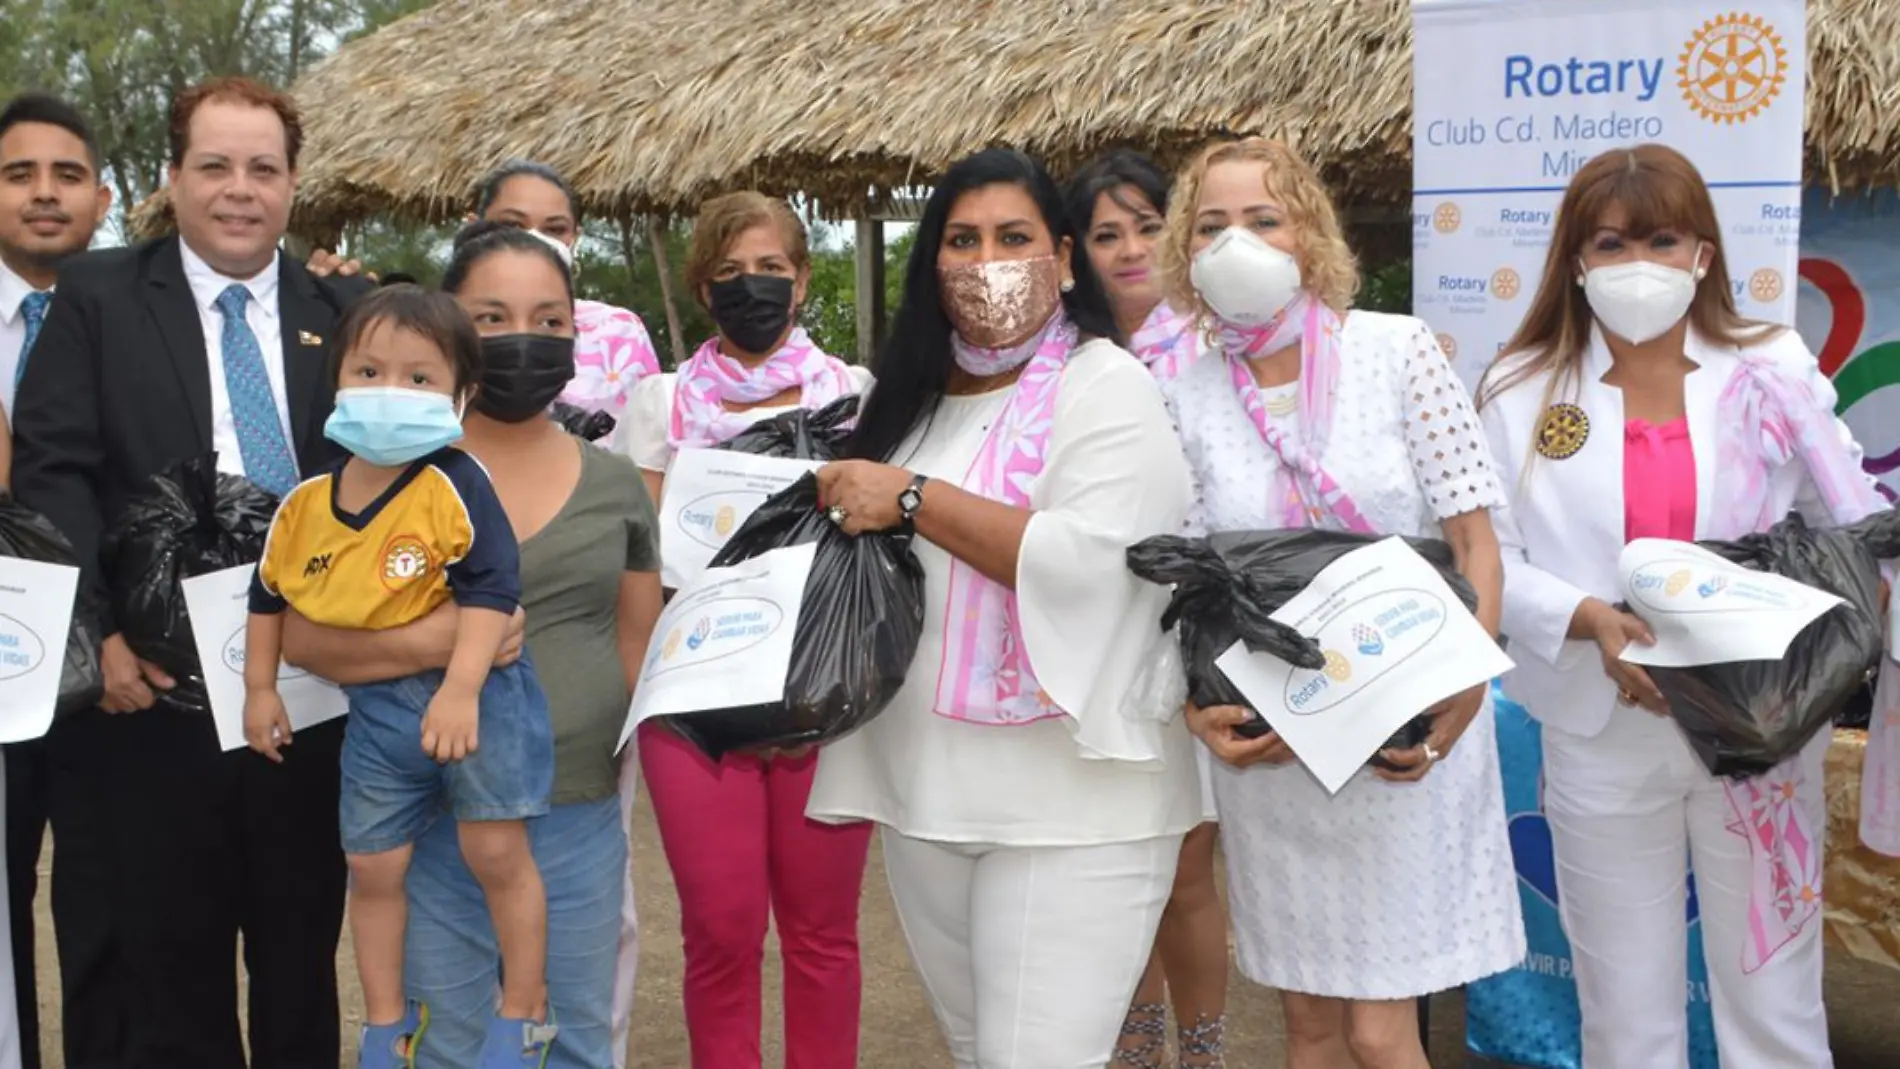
389 426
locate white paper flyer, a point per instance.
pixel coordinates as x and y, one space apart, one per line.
725 640
1397 641
1705 610
708 495
36 616
219 606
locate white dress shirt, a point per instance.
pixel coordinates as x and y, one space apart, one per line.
262 315
13 290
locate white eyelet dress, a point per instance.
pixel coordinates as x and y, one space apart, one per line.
1384 891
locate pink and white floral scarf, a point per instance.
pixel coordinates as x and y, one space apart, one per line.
710 379
611 352
1164 342
985 677
1309 495
1766 420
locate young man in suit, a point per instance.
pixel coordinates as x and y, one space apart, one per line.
168 849
51 201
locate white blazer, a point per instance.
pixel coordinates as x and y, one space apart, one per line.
1563 529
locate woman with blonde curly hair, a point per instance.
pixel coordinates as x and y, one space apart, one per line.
1309 414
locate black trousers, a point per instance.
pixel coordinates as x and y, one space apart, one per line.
26 794
165 850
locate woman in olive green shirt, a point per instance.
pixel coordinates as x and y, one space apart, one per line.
590 594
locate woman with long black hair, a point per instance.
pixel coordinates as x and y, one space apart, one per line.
1033 784
1118 203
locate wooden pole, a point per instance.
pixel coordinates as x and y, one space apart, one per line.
656 237
869 279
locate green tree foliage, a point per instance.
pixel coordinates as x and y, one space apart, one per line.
122 61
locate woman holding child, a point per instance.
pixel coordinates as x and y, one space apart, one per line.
590 591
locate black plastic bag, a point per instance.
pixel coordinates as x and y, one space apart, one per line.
1227 584
189 521
26 535
856 633
585 424
799 434
1745 717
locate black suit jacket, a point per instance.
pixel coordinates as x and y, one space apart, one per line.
119 385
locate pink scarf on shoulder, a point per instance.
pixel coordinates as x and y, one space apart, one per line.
1309 496
710 380
1767 420
985 677
1164 342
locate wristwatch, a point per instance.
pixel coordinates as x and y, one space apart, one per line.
912 498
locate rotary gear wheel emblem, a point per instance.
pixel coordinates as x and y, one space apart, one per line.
1733 68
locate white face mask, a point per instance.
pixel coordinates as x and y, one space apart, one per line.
1243 279
1640 301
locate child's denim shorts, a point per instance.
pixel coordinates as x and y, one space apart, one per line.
393 791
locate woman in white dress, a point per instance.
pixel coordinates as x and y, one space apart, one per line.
1636 402
1032 777
734 830
1119 205
1307 414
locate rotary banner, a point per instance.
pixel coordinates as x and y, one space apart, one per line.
1512 97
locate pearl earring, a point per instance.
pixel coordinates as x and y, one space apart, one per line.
1068 284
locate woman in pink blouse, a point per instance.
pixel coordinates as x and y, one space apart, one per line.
611 349
1634 402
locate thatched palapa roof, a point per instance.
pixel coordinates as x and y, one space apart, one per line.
649 106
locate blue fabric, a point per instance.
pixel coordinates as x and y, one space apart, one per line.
33 312
1529 1016
393 791
267 458
452 961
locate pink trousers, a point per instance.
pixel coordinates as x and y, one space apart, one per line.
742 851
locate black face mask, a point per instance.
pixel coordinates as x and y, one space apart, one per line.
522 374
752 311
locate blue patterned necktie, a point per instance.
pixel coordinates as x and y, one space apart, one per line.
33 311
267 458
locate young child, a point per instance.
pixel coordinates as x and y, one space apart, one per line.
382 539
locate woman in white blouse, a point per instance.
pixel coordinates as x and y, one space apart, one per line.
1307 414
1033 780
1636 402
1118 203
734 830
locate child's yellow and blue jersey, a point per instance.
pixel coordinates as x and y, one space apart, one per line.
438 532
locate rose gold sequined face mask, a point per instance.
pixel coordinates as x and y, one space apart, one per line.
1001 303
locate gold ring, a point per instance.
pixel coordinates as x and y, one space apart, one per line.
1625 696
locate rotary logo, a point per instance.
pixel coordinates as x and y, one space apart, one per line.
1765 285
1338 668
1505 283
1732 68
1677 582
1448 345
405 560
1367 638
725 520
671 646
1446 217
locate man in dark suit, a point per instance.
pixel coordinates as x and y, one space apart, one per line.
167 849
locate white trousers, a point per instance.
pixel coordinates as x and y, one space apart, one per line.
1623 808
1030 955
627 964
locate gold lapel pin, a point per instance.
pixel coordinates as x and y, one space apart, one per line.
304 337
1562 431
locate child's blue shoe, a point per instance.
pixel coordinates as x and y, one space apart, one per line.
393 1046
514 1043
